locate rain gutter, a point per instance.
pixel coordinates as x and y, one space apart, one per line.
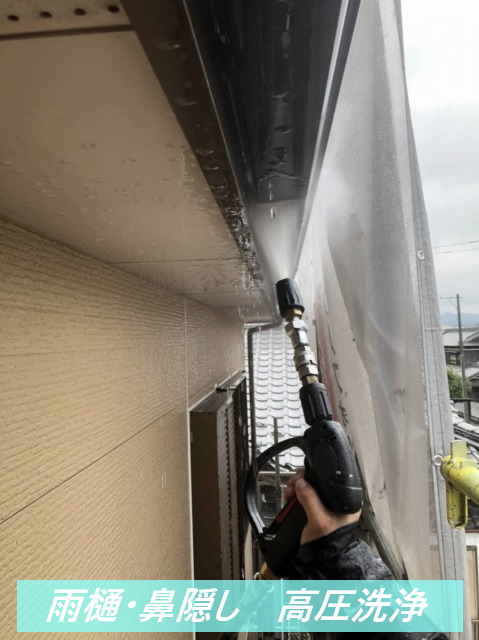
344 35
254 90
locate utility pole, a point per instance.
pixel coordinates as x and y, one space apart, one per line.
467 416
467 406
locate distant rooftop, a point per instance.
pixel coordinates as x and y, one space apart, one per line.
451 336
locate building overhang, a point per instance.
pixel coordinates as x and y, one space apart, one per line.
174 140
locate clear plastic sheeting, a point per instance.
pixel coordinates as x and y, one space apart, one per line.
377 316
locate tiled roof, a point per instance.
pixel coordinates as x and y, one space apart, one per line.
473 338
277 393
451 336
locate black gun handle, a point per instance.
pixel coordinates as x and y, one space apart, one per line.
327 450
281 543
331 467
249 492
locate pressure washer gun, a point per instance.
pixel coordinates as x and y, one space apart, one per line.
329 462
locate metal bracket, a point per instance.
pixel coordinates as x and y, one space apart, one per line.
20 18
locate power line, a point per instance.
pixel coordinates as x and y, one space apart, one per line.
455 244
457 250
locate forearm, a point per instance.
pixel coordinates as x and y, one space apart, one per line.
340 556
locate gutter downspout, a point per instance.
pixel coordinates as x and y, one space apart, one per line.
252 411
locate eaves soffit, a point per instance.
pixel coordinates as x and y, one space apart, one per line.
247 82
93 156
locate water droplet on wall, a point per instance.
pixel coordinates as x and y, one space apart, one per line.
185 101
212 166
168 43
204 152
283 129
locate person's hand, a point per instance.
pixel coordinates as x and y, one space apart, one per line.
321 522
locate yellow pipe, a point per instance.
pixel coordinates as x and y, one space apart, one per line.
462 481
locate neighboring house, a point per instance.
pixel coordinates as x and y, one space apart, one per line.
470 339
471 355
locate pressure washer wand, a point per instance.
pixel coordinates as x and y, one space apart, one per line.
330 464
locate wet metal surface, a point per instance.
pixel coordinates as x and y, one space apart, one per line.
283 66
268 65
247 82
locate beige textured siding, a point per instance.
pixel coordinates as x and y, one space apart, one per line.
97 371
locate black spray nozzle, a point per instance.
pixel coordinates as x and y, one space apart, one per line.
288 295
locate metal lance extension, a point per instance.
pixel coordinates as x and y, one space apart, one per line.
292 309
330 463
314 399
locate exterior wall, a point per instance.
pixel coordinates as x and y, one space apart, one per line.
471 356
98 370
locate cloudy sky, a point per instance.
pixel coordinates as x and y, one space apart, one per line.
442 63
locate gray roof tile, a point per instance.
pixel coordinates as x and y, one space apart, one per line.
277 393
